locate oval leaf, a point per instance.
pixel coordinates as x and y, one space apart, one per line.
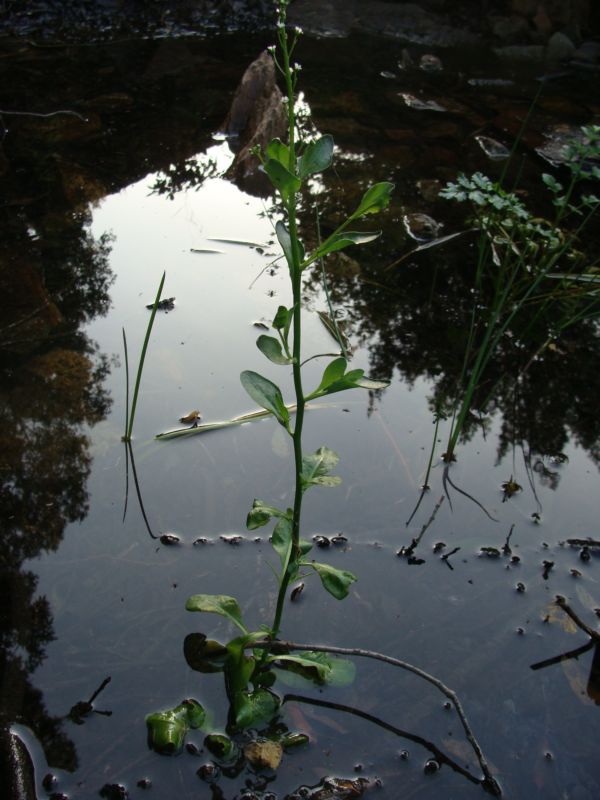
374 199
271 348
278 151
336 581
266 394
217 604
281 178
317 156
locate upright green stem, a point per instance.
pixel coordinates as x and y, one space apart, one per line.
296 274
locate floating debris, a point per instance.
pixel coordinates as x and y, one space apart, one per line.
193 417
388 75
203 250
430 63
510 488
320 540
262 325
421 105
296 592
493 149
233 538
490 552
490 82
170 539
168 304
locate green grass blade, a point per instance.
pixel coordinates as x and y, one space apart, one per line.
140 369
126 386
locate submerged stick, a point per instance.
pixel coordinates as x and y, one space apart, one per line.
490 782
413 737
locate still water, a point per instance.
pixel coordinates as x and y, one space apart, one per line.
91 590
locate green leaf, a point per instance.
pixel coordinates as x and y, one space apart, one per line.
336 380
271 348
320 668
278 151
316 466
285 240
266 394
167 729
217 604
317 157
374 199
282 319
336 581
260 514
332 373
282 540
254 708
339 241
281 178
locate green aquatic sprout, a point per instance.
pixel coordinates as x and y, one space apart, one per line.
167 729
289 165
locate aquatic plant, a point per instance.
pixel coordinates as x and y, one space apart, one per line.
130 412
528 270
289 165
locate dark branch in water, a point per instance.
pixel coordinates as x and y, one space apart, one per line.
489 782
433 749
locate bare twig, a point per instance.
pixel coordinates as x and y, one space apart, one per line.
490 782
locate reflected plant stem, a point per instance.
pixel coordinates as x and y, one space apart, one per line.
490 782
137 488
425 487
408 551
413 737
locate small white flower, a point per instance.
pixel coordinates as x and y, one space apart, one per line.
271 49
298 30
297 67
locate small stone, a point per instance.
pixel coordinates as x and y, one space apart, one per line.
559 47
431 766
263 754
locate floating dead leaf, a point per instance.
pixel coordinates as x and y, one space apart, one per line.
555 615
263 754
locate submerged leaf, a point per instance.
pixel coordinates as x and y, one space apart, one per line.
317 667
254 708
